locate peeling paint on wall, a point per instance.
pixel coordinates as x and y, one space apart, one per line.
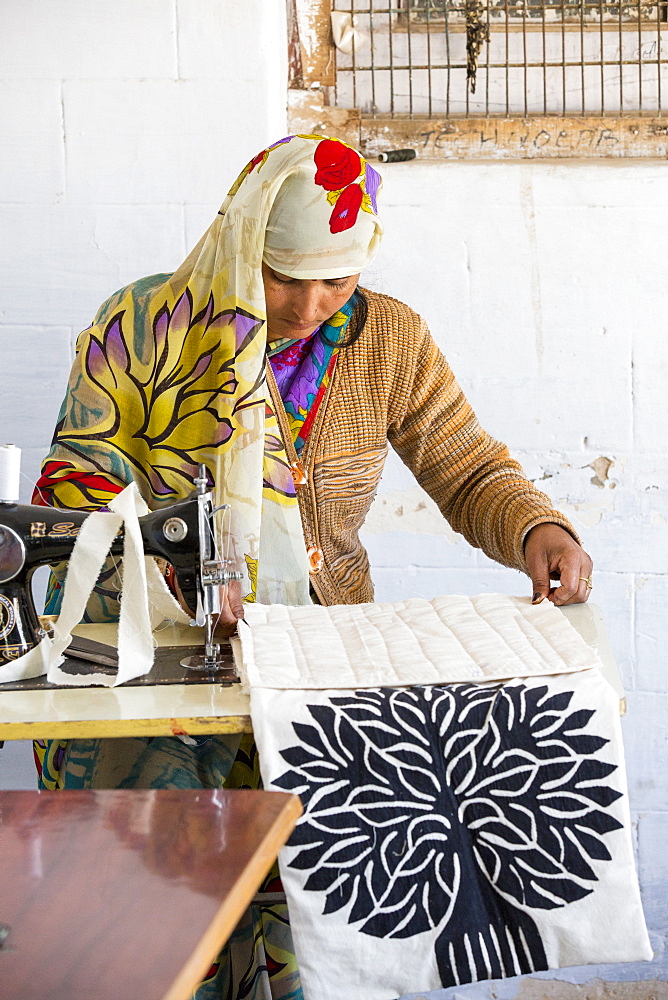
601 467
408 510
588 513
585 498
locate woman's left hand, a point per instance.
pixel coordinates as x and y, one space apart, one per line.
551 553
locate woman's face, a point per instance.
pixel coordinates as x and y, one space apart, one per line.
298 306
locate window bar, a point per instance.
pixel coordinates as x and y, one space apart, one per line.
658 58
429 58
410 65
507 12
601 13
372 60
447 59
487 48
354 61
336 88
524 55
640 66
621 56
391 54
543 8
582 57
466 81
563 56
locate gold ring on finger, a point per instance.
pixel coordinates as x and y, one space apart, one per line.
587 580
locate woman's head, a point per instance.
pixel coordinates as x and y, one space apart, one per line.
306 206
322 231
323 222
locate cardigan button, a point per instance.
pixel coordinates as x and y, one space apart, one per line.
315 558
299 476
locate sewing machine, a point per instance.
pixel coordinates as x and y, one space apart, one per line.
183 535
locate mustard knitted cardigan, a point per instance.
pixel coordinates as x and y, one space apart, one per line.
394 385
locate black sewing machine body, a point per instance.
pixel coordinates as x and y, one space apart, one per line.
183 535
32 536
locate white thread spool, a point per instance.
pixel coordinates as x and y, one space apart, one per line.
10 473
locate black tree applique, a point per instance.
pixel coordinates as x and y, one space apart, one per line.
451 809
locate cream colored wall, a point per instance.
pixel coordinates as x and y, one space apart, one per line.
543 284
124 124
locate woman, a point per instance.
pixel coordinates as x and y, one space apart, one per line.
173 373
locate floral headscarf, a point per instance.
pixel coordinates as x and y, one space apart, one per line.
172 372
311 236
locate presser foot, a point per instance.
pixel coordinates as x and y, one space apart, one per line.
212 662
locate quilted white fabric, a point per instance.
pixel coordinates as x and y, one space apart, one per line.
465 816
447 639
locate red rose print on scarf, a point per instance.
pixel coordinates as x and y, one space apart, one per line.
338 171
338 165
346 209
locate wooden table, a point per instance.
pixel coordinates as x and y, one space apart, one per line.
128 895
29 710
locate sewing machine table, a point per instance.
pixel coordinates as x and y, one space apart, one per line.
174 703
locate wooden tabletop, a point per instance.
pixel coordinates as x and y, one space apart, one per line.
176 708
120 895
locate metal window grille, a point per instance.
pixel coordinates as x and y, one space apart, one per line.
471 58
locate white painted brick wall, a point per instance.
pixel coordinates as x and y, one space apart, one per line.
543 285
123 126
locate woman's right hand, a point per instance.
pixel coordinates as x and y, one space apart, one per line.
231 607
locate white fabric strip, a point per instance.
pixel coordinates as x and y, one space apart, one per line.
145 599
34 663
135 639
88 555
162 603
447 639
